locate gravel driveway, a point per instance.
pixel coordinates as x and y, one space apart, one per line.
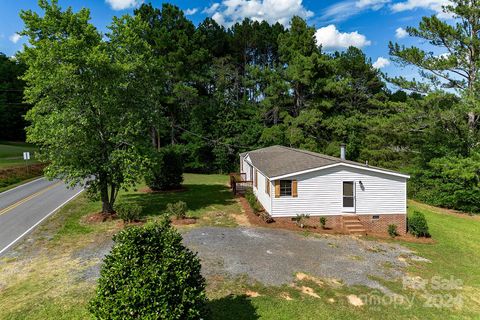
272 257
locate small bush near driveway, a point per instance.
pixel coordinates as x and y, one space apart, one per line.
323 222
128 212
392 230
417 225
177 209
149 274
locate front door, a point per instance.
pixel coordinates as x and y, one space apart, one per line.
348 196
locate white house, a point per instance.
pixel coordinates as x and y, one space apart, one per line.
288 182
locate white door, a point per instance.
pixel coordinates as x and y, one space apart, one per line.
348 200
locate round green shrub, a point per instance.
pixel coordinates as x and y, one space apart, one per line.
128 211
392 230
149 274
166 172
323 222
417 225
177 209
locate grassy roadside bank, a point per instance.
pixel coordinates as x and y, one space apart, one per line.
13 169
11 153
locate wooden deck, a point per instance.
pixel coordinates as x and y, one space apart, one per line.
238 183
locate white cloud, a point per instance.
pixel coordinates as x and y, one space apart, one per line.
400 33
229 12
211 9
345 9
332 39
189 12
15 37
434 5
373 4
123 4
381 63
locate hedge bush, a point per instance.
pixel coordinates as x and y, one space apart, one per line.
323 222
177 209
256 207
128 212
149 274
417 225
392 230
167 171
252 200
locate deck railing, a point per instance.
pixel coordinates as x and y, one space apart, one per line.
238 182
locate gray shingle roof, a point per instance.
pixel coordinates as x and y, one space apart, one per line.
277 161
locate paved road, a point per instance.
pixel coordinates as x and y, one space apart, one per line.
26 206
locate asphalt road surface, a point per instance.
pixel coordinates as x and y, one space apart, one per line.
26 206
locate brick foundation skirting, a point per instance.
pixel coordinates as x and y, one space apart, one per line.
380 225
377 225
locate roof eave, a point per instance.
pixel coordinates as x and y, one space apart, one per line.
397 174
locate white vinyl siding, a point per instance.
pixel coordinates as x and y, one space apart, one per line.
262 196
247 169
321 192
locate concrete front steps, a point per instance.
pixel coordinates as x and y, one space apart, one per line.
352 225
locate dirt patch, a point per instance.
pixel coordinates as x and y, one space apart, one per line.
354 300
406 237
309 291
183 222
302 276
286 296
252 294
242 219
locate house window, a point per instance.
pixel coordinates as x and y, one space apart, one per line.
267 186
285 188
348 194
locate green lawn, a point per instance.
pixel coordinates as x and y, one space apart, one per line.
45 280
11 153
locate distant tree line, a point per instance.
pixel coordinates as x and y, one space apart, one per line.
104 102
12 107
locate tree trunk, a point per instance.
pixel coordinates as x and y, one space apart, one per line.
107 208
471 120
107 205
153 136
172 134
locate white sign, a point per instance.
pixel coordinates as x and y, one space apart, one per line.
26 155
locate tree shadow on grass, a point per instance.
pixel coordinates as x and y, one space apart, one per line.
232 307
197 197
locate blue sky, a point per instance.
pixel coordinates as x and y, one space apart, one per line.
368 24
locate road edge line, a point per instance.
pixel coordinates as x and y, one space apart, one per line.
40 221
22 185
